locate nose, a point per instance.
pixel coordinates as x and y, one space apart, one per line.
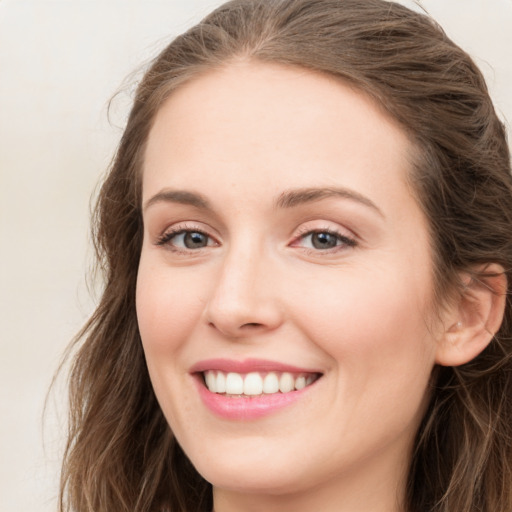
244 301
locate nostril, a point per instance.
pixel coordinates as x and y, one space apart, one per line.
244 329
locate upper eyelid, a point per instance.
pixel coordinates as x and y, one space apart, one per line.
165 236
350 240
320 225
347 237
306 228
188 225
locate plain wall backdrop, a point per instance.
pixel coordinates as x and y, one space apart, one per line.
60 63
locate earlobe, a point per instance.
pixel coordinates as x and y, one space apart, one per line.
474 319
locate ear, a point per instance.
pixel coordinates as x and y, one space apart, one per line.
472 321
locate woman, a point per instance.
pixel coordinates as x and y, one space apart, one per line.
306 239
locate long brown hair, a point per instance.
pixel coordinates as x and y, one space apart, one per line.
121 454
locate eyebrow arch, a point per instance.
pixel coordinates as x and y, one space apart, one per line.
178 196
287 199
292 198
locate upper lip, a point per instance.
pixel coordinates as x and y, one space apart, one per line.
247 366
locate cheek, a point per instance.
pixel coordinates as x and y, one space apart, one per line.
169 305
380 349
372 323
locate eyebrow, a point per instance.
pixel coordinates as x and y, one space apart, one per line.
295 197
288 199
178 196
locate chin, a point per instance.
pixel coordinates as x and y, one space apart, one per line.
254 482
250 475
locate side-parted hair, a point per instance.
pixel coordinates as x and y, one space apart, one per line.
121 455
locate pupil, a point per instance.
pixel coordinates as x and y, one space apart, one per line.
324 240
194 240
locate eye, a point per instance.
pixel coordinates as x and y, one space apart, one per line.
190 239
186 239
324 240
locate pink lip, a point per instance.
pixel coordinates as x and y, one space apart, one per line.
247 366
246 408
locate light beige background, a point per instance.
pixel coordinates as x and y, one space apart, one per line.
60 62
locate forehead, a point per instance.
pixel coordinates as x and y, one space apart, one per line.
285 124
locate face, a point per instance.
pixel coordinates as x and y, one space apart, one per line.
285 284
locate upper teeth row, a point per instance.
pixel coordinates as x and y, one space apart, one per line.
254 383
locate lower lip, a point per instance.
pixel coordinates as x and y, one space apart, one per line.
246 408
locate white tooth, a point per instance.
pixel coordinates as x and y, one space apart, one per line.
210 380
300 382
234 384
309 379
270 383
286 382
220 383
253 384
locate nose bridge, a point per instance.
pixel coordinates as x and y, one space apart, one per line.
243 299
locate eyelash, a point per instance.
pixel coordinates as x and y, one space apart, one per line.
166 238
342 241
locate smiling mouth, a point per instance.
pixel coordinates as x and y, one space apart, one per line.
256 383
